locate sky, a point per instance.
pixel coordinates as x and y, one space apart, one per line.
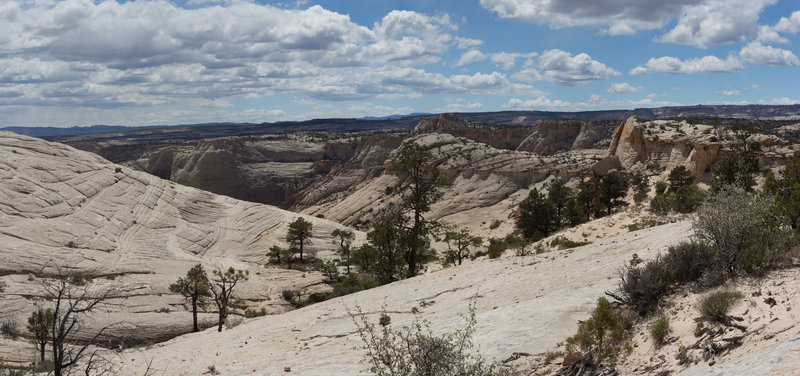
145 62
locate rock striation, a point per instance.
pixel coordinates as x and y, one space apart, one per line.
61 208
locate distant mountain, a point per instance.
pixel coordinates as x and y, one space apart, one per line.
73 131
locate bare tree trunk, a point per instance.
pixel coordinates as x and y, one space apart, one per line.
194 314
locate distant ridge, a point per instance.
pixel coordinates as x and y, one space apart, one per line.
189 132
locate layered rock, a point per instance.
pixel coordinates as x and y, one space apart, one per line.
267 169
698 147
485 182
64 209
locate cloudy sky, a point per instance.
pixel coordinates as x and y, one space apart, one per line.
84 62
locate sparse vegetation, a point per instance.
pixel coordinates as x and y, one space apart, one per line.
602 336
717 304
298 235
660 329
415 350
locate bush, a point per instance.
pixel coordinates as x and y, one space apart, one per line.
561 242
384 320
414 350
602 335
661 204
9 328
660 329
289 295
742 232
496 248
354 283
717 304
252 312
688 198
642 287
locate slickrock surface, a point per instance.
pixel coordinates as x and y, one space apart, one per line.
61 207
524 304
486 183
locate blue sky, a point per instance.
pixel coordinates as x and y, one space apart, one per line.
83 62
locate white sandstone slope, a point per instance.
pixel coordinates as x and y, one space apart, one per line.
524 304
61 207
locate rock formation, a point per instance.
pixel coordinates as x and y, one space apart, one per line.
69 209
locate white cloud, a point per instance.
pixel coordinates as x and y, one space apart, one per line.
715 22
595 101
756 53
729 93
460 106
562 68
620 17
705 64
789 25
623 87
154 53
507 60
467 43
469 57
780 101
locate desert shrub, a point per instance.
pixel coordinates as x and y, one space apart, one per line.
561 242
496 248
10 329
354 283
642 287
687 261
661 204
415 350
661 187
252 312
742 231
602 336
289 295
553 355
384 320
688 198
660 329
717 304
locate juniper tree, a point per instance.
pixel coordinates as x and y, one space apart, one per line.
39 323
420 185
299 235
195 288
458 243
345 245
222 287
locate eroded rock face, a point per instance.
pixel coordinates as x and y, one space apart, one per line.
669 144
557 136
131 231
485 182
268 169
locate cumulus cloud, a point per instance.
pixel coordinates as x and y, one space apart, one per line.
789 25
700 23
467 43
624 87
563 68
507 60
715 22
154 53
756 53
469 57
705 64
616 17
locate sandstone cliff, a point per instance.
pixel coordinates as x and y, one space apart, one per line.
60 207
667 144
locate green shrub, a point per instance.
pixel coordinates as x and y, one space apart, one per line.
660 329
561 242
289 295
717 304
661 204
354 283
10 329
414 350
602 335
384 320
496 248
642 287
661 187
252 312
688 198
